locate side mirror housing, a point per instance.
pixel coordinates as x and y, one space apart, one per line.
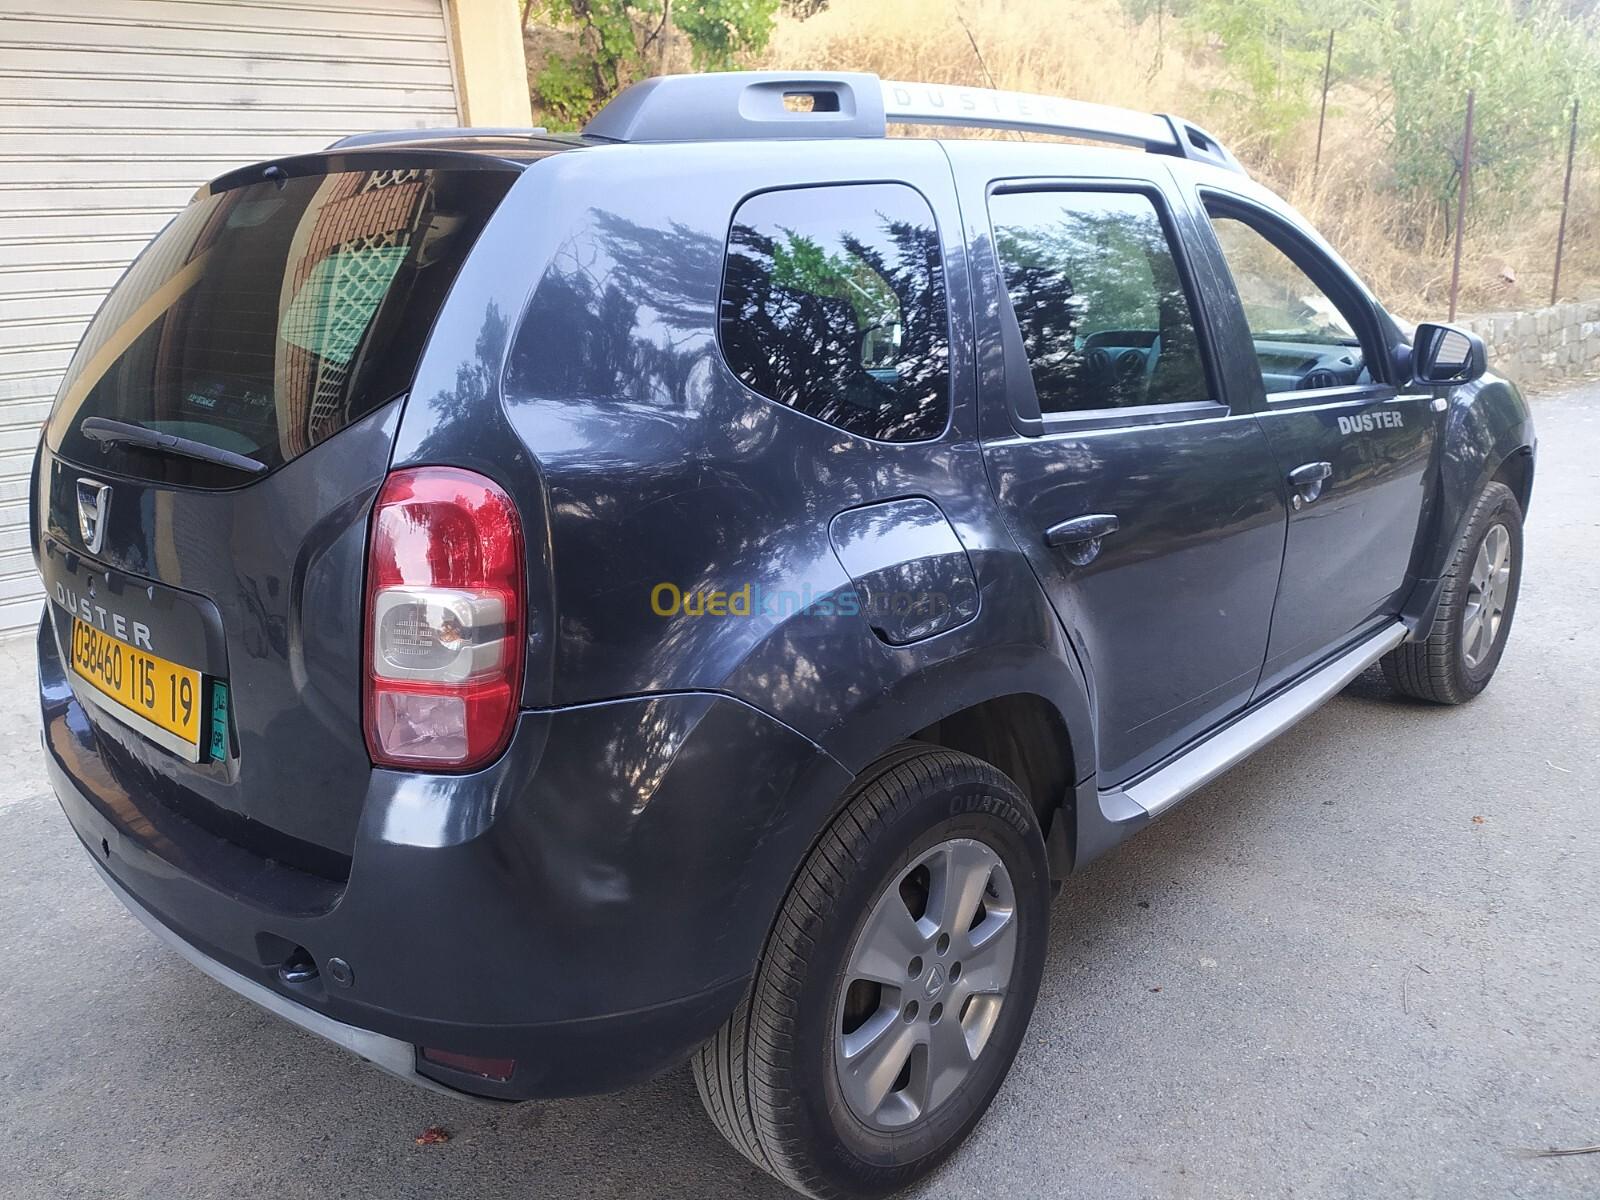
1442 355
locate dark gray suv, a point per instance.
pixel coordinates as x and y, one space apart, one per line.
536 610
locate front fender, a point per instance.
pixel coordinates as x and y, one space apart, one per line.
1487 422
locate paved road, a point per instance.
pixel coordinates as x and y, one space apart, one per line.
1364 964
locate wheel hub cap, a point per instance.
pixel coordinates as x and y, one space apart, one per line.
925 983
1487 591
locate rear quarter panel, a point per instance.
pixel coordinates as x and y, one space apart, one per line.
646 461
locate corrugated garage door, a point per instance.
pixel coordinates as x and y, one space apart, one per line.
113 111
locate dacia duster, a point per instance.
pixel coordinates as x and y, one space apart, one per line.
540 609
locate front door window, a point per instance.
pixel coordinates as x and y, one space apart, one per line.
1303 340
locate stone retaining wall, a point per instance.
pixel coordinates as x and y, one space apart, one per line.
1546 344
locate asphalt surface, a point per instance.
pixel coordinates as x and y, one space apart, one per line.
1364 964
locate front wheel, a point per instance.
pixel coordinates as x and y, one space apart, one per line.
1476 606
896 985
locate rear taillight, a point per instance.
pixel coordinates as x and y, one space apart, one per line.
444 620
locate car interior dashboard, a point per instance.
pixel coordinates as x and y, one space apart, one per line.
1122 361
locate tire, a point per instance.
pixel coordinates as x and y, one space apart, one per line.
1460 654
777 1080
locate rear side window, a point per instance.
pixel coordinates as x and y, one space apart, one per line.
268 317
1098 300
833 303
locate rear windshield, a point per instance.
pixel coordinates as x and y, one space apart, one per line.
269 317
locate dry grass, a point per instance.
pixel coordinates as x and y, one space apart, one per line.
1084 50
1091 51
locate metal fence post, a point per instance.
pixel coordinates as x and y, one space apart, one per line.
1461 207
1566 199
1322 117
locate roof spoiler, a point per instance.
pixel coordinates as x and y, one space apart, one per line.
386 137
733 105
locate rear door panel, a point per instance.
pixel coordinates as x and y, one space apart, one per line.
1170 619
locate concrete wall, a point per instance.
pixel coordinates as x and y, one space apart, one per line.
491 74
1544 345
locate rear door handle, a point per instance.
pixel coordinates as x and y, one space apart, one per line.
1307 480
1080 537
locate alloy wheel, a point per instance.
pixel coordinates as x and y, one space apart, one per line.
925 983
1487 591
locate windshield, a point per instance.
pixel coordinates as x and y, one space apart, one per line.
269 317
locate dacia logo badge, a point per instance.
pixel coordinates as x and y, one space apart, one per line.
93 498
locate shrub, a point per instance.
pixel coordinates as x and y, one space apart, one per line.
621 41
1525 63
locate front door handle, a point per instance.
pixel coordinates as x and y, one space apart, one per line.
1307 481
1080 537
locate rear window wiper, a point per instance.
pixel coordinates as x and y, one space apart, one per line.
125 433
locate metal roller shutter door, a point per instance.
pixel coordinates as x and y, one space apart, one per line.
113 111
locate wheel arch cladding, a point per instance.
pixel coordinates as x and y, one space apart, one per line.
1026 738
1516 472
1488 435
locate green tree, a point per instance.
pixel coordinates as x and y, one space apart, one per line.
1524 60
621 41
1273 51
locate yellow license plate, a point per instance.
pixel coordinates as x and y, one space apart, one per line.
162 697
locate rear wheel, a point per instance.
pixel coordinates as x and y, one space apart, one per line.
896 985
1477 604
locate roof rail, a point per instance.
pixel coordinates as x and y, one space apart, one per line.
726 106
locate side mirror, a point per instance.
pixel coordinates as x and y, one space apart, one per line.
1442 355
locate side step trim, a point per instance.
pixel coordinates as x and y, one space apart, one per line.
1157 792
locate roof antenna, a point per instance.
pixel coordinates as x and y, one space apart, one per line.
978 54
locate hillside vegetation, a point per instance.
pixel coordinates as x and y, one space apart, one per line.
1251 71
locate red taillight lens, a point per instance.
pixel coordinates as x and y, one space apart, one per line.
444 620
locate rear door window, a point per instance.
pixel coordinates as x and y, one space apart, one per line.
1104 318
268 317
833 303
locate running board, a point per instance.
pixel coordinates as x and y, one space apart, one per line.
1202 763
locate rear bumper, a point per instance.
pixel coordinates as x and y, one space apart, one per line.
387 1053
592 905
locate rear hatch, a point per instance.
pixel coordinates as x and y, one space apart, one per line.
208 469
